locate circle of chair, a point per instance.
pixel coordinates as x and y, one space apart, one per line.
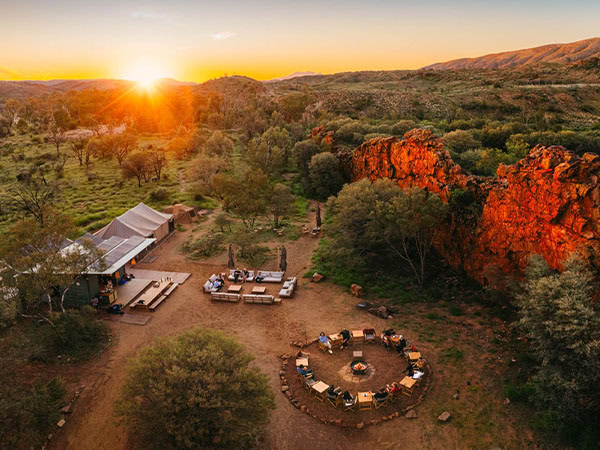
367 400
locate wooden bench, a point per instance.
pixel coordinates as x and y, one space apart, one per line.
163 297
224 297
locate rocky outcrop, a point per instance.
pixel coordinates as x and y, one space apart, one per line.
546 204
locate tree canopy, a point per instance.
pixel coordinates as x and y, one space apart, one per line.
195 390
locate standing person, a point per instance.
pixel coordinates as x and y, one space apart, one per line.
325 340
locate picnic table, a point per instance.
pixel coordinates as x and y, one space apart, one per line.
235 288
302 362
259 290
146 298
365 400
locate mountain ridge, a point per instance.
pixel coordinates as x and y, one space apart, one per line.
550 53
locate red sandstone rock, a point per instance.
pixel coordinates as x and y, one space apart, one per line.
545 204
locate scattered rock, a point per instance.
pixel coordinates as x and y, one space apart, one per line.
412 414
49 436
285 388
356 290
444 417
61 423
316 277
507 401
66 409
455 396
360 425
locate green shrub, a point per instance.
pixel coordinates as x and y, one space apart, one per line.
195 390
28 414
159 194
77 334
455 310
204 246
520 393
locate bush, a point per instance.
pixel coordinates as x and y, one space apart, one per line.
159 194
27 415
325 175
195 390
204 246
78 334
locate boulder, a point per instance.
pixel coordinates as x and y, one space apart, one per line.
412 414
356 290
66 409
61 423
316 277
444 417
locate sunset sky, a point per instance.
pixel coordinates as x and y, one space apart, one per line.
196 40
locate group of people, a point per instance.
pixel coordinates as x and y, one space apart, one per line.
240 275
346 336
393 340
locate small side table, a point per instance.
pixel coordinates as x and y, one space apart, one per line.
259 290
357 354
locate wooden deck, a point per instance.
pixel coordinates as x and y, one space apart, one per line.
156 275
128 292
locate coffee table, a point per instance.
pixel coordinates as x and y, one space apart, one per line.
320 389
365 400
236 288
259 290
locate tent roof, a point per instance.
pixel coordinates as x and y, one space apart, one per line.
138 221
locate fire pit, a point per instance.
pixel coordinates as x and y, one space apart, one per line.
358 367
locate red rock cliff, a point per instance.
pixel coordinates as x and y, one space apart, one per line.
547 203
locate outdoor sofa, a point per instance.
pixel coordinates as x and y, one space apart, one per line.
261 299
288 287
209 285
224 297
271 277
250 277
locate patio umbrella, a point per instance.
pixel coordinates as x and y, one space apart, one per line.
231 263
283 260
318 215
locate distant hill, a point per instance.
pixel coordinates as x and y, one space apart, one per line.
34 88
294 75
553 53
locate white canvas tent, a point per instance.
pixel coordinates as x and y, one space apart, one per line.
140 221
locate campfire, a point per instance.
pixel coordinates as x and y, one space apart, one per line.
358 367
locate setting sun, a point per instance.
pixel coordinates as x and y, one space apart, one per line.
146 74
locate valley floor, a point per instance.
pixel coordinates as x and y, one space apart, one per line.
460 350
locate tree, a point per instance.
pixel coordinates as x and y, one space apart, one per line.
201 394
35 196
39 265
222 221
121 145
11 111
137 165
282 203
219 145
201 173
558 314
246 196
371 220
460 141
303 152
57 137
79 147
408 223
158 161
181 146
325 175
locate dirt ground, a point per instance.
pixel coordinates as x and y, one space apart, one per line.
479 417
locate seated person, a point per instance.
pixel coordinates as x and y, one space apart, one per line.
325 340
245 275
345 337
381 395
303 370
218 285
332 393
400 345
348 398
394 388
236 276
259 278
417 374
410 370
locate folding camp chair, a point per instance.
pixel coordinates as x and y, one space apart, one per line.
369 335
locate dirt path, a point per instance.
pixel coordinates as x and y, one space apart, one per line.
267 331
